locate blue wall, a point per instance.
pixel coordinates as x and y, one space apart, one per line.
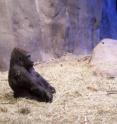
109 19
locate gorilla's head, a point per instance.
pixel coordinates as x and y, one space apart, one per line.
21 57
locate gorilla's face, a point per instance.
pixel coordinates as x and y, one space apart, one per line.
22 58
27 62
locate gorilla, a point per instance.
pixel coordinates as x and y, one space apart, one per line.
25 81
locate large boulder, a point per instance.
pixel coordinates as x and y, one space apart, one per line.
104 58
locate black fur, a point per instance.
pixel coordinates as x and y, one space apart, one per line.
25 81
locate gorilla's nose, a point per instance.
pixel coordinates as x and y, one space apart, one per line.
28 55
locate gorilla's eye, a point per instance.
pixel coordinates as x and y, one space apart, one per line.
20 58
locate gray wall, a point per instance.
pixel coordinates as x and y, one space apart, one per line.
48 28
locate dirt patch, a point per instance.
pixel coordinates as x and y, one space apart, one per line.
81 97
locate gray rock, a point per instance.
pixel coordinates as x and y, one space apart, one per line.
104 58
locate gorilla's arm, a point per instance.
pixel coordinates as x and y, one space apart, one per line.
30 82
39 79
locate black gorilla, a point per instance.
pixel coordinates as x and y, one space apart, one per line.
25 81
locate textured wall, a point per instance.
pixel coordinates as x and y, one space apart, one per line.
48 28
